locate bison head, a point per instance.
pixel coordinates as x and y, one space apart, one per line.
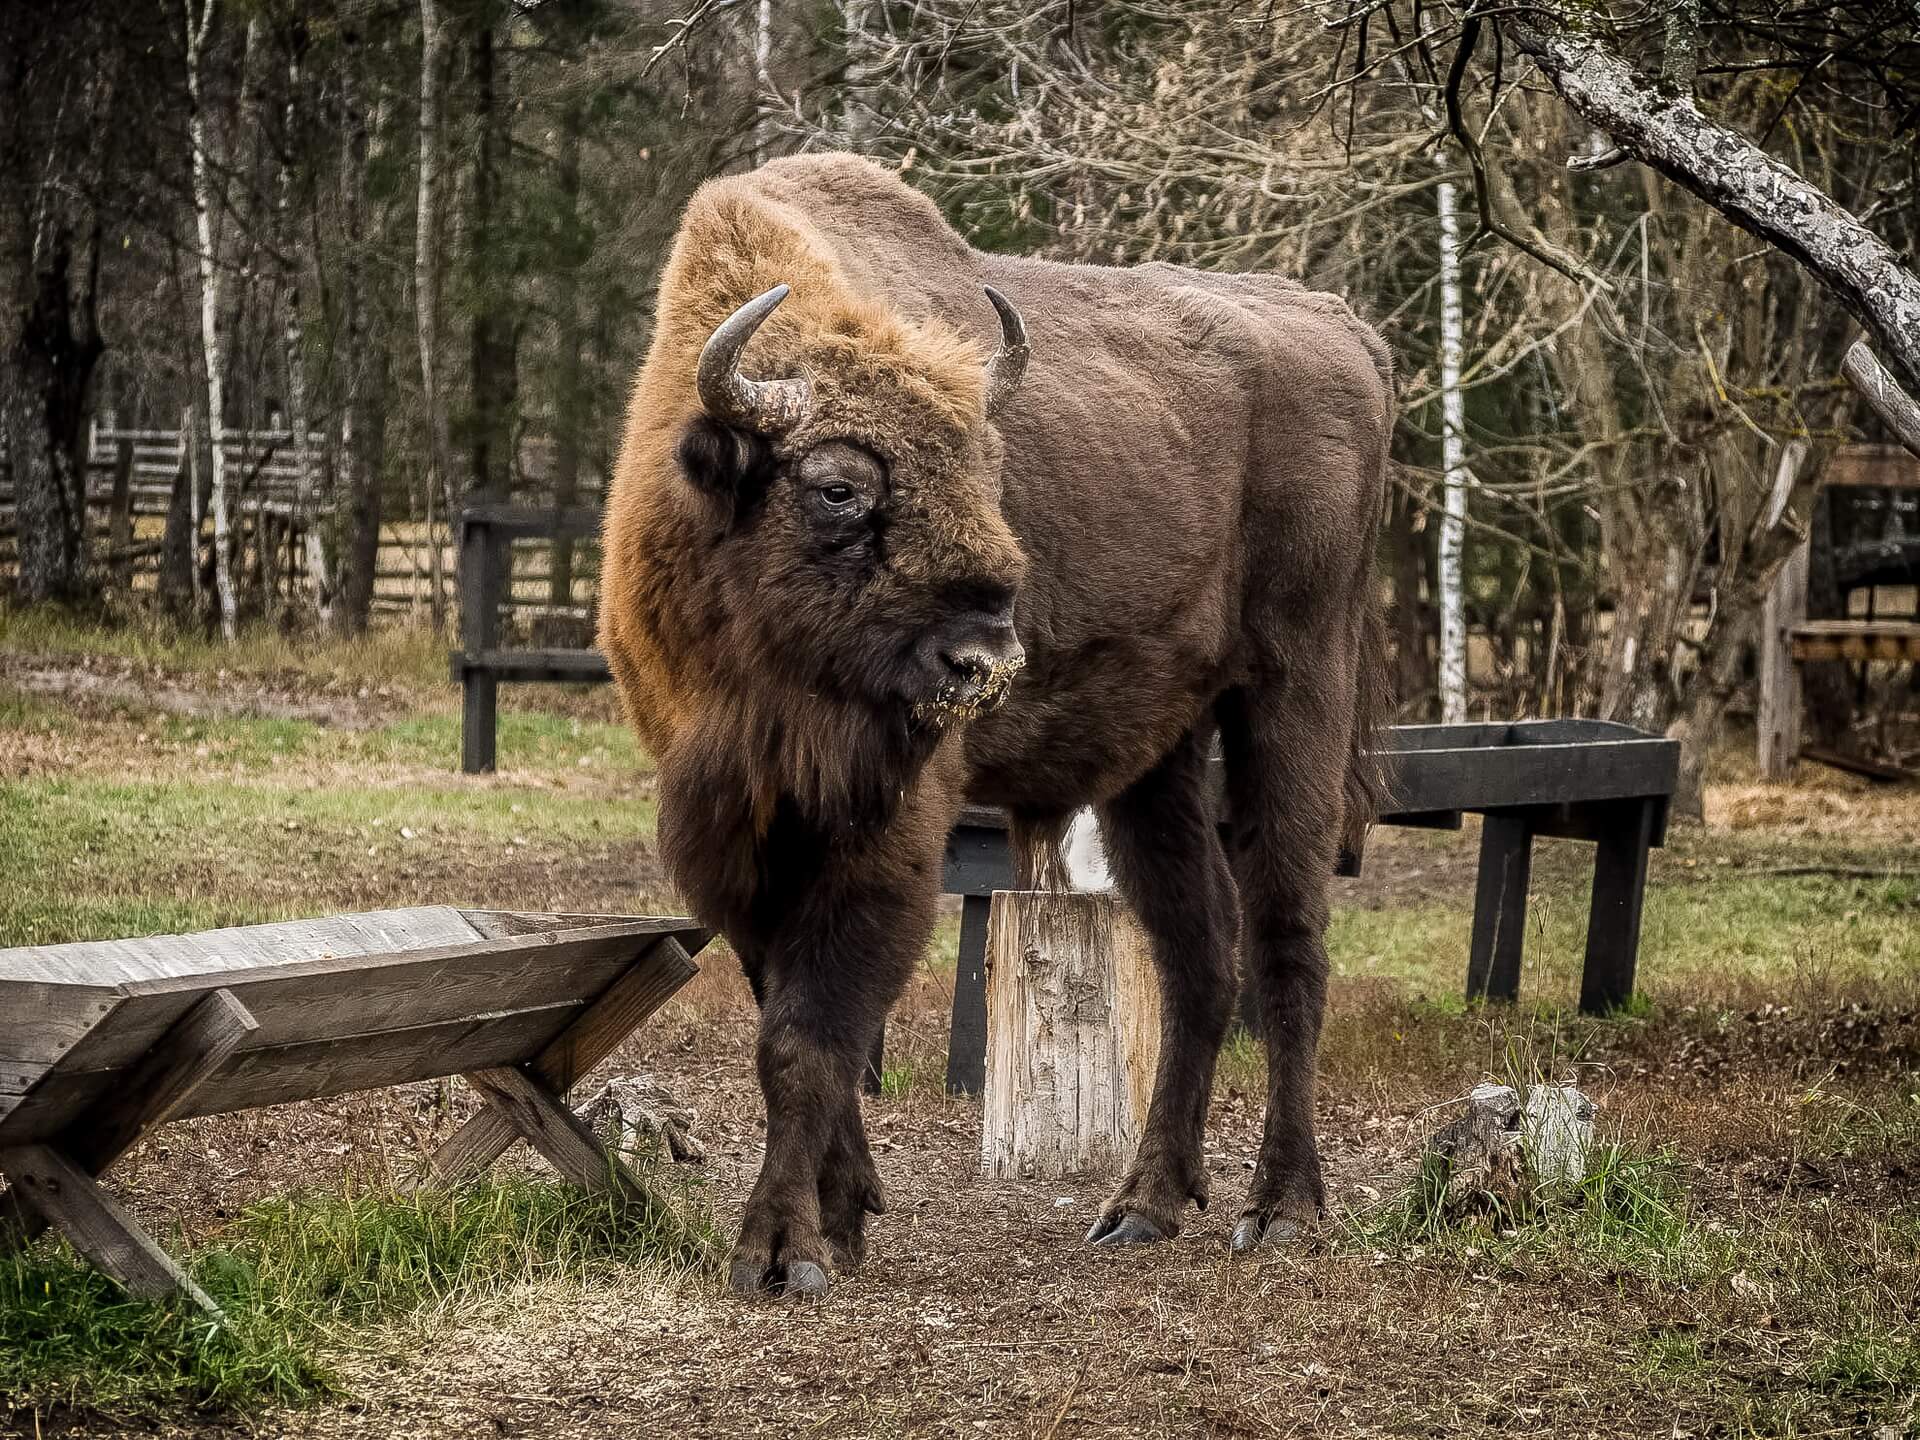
857 540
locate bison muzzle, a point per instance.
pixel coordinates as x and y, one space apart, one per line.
865 563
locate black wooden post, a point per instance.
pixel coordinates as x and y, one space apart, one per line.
1500 908
1619 892
480 554
967 1042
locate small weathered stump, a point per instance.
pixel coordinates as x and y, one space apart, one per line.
1499 1157
635 1113
1073 1030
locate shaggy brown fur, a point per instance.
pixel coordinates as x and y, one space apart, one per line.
1179 505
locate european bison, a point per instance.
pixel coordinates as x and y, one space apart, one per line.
858 570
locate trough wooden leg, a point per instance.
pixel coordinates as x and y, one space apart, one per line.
967 1043
1500 908
621 1009
1619 892
195 1046
545 1122
97 1225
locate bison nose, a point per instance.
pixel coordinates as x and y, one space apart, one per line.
986 655
982 641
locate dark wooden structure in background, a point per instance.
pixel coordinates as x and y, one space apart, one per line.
1566 779
1574 779
105 1040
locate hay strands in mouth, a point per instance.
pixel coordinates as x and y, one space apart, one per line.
981 692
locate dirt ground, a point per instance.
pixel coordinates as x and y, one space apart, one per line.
980 1312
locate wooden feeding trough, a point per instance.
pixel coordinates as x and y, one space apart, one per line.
104 1040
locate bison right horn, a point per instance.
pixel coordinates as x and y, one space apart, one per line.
726 394
1009 362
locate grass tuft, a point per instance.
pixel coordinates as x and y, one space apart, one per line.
291 1273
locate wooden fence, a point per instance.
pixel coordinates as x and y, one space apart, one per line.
273 478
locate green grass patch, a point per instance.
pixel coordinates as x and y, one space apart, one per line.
86 856
527 740
292 1275
1629 1213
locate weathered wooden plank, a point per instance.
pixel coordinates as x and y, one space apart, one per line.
1897 641
616 1014
147 1095
313 1000
507 924
211 951
313 1070
543 1120
527 522
96 1224
44 1019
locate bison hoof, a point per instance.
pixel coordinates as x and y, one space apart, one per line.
796 1279
1125 1227
1253 1231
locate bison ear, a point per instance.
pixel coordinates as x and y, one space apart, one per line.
731 466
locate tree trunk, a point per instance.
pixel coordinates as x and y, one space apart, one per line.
1073 1017
1741 181
426 283
363 423
571 409
490 276
310 505
1407 565
208 195
45 380
1453 522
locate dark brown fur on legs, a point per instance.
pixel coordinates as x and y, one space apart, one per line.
1166 854
1281 736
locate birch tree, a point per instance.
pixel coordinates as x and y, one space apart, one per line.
209 204
426 283
1454 478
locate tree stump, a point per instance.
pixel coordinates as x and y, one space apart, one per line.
1073 1030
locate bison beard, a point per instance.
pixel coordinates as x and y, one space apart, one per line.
837 518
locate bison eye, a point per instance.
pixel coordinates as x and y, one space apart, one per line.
840 499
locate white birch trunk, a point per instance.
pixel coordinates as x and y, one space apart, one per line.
762 67
426 280
306 504
206 195
1454 477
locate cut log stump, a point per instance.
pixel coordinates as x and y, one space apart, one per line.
1073 1030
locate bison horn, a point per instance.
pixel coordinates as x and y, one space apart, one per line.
1009 362
726 394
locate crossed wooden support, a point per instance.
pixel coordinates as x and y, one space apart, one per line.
54 1181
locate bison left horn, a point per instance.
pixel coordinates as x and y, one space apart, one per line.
726 394
1009 362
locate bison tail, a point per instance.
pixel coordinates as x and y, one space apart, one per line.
1366 778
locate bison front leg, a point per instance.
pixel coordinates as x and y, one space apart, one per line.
825 986
807 1084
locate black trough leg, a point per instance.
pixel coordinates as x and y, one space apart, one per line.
876 1064
967 1044
1500 908
479 696
1619 891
